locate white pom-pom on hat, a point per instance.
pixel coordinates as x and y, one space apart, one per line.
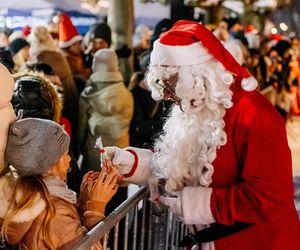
249 83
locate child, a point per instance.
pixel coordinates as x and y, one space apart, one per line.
43 212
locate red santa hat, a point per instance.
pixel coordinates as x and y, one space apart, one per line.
67 32
190 43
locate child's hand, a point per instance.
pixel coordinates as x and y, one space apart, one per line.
105 186
85 187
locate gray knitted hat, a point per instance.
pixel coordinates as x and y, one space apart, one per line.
35 145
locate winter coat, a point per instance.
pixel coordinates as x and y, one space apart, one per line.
105 109
65 228
252 182
76 64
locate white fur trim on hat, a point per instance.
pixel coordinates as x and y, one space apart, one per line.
249 84
168 55
66 44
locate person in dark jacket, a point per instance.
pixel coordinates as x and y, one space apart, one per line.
148 116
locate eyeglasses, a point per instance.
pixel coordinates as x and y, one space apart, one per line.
166 85
168 88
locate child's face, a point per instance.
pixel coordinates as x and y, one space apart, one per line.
62 166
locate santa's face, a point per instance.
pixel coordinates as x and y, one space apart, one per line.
187 146
168 88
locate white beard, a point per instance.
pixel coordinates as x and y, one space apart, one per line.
185 150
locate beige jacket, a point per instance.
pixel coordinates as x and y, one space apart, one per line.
65 228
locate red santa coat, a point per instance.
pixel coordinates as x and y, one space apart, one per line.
252 182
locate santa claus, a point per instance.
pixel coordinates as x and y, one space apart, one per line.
223 154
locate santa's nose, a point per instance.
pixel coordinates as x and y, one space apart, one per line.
167 95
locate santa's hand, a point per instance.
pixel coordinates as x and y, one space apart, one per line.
133 163
121 158
174 204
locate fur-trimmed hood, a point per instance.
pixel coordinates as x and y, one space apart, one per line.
7 185
20 98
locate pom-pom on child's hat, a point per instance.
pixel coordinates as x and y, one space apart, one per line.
35 145
190 43
67 32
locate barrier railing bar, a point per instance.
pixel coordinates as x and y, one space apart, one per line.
110 221
135 223
116 236
150 228
126 231
143 223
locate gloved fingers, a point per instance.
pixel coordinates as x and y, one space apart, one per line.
167 201
110 151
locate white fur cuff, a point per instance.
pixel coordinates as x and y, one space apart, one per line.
143 170
196 205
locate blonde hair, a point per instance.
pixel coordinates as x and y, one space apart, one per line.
31 187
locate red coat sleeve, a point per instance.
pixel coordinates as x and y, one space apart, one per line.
264 189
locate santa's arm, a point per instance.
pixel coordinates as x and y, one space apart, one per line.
133 163
266 179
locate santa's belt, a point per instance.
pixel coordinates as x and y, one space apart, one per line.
215 232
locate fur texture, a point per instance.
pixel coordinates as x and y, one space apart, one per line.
184 152
6 191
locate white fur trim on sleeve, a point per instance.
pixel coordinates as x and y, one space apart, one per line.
143 170
196 205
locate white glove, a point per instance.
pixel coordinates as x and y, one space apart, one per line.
121 158
126 162
174 204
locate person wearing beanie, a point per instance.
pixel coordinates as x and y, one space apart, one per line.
7 113
19 48
105 108
70 43
99 38
42 207
222 162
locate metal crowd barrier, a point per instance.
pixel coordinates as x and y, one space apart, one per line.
136 224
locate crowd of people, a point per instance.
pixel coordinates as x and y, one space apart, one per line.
182 115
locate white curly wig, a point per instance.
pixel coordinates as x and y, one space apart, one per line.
185 150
